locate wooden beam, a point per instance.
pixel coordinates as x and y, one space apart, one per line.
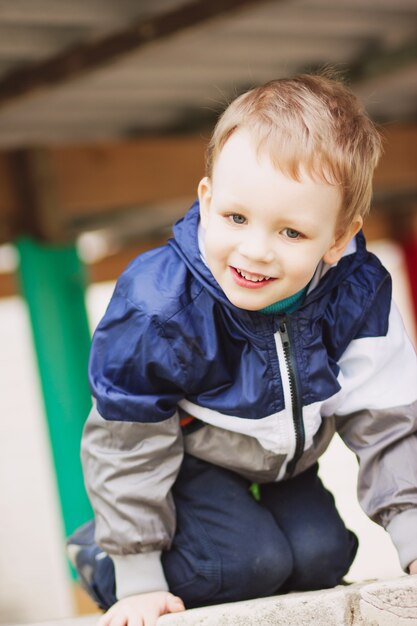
54 194
102 178
86 57
9 204
397 169
39 212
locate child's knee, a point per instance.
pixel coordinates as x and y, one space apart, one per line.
260 571
323 563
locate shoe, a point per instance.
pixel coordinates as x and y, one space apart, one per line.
94 567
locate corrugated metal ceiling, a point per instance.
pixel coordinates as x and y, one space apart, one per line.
179 82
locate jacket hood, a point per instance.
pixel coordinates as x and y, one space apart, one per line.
185 243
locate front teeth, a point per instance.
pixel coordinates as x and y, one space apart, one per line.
252 277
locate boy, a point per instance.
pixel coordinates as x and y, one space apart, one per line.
232 355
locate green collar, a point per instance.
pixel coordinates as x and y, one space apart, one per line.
288 305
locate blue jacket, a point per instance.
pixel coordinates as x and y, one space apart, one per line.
267 392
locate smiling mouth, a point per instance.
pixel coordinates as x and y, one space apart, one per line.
248 279
255 278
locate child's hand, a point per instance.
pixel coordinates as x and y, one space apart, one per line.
413 567
142 610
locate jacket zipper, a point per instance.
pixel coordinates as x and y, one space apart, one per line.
296 404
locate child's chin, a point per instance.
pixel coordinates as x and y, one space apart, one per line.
247 305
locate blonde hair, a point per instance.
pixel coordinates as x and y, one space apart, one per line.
310 123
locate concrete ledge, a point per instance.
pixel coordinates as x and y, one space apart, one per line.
392 602
382 603
325 608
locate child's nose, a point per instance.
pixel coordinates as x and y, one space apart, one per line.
257 247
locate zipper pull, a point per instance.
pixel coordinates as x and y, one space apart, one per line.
284 335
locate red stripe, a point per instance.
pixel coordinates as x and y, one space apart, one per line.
187 419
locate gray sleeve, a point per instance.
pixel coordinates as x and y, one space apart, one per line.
129 469
385 443
378 421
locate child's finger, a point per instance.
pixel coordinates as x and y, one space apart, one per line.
150 618
175 604
105 619
135 620
119 619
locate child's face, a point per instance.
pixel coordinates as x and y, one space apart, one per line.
265 233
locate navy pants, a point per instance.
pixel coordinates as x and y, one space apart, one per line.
230 547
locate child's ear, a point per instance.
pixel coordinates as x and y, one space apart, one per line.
335 253
204 197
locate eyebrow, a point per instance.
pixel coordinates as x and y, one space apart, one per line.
231 204
287 220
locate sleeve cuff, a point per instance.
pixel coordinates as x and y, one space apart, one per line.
138 573
402 529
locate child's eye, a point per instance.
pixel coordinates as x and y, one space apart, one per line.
237 218
291 233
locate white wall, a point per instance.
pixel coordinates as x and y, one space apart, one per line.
33 571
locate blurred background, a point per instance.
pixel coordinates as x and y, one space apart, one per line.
105 111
